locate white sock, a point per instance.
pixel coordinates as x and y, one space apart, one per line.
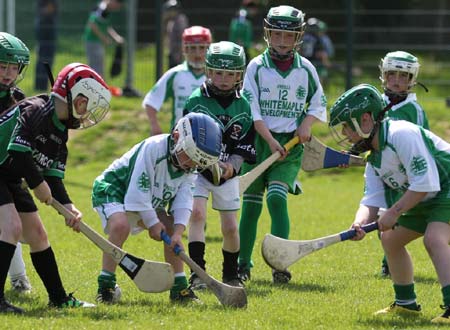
17 267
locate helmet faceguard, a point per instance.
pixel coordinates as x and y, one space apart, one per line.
196 40
80 79
226 57
399 61
349 108
199 138
283 18
13 51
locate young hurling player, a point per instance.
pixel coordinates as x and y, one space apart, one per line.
180 81
219 98
286 98
132 195
407 174
33 146
398 75
14 60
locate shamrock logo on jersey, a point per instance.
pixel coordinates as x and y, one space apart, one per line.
143 182
418 165
300 92
248 95
323 101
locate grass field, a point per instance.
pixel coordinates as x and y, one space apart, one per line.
335 288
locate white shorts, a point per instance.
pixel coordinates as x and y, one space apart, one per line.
224 197
105 211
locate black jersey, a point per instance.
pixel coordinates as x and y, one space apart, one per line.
10 98
32 132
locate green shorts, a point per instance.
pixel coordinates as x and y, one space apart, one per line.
434 210
285 171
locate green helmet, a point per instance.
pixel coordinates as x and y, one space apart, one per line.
285 18
399 61
226 56
13 50
351 105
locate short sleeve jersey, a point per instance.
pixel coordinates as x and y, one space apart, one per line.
408 110
283 99
410 158
144 179
177 83
33 126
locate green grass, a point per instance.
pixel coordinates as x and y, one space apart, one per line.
336 287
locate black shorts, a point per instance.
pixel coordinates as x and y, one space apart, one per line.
12 192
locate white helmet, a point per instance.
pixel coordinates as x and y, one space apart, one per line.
75 79
399 61
200 137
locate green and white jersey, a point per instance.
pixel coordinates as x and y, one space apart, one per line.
178 83
410 158
408 110
143 179
283 99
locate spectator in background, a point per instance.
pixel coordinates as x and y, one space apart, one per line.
241 27
100 33
328 44
176 23
45 26
314 48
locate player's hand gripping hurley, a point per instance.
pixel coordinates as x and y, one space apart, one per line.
149 276
228 295
280 253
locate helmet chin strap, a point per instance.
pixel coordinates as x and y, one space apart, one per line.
366 144
395 97
281 57
217 91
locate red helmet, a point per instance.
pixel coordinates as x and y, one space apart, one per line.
78 78
197 34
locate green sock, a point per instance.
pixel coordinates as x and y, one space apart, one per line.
106 280
446 295
405 296
277 205
180 284
251 210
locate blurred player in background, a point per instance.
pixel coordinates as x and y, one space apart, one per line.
179 82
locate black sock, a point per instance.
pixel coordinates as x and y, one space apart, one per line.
45 264
197 253
230 264
6 253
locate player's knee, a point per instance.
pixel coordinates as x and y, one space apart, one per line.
433 244
198 216
14 230
230 229
119 227
389 242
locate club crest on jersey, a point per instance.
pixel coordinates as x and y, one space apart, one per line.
418 165
300 93
143 182
236 130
